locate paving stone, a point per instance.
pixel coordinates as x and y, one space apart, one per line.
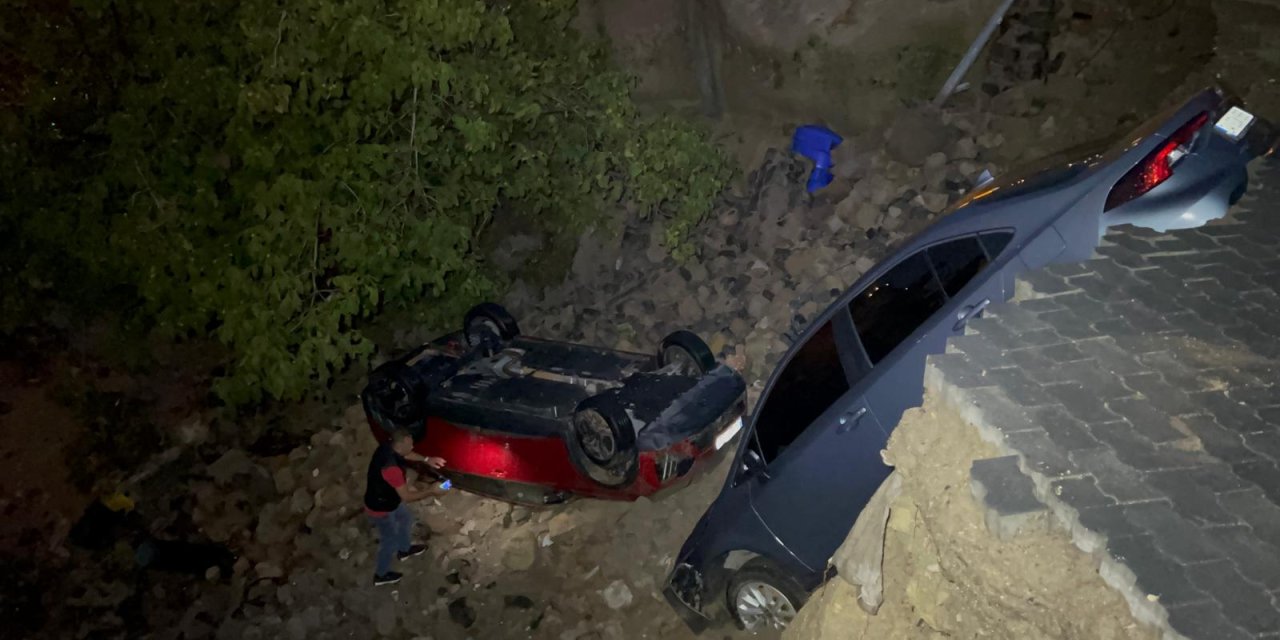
1132 241
1007 496
1149 421
979 352
1062 429
1061 353
1113 477
1205 620
1218 441
1116 327
1040 453
1257 560
1266 443
1218 478
1083 306
1081 402
1173 244
1194 326
1230 413
1081 493
1190 499
1162 394
991 408
1109 521
1134 450
1125 257
1263 473
1181 539
1139 345
1017 318
1045 283
1255 509
956 370
1175 266
1159 278
1243 603
1020 389
1258 397
1069 324
1068 269
1141 318
1110 357
1157 575
1041 305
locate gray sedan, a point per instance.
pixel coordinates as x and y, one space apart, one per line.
809 456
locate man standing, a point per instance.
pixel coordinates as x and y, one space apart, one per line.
385 497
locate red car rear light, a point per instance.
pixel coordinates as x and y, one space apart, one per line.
1157 166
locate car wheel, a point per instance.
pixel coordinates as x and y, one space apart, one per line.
604 435
761 597
488 323
392 402
687 352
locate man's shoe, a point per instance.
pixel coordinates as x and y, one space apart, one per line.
414 550
389 577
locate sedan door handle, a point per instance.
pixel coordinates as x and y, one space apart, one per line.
968 313
850 419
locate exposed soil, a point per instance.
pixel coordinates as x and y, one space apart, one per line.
946 576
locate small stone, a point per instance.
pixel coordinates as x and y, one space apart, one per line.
834 223
461 613
284 481
517 602
212 574
867 216
934 202
965 149
268 570
519 554
689 309
617 595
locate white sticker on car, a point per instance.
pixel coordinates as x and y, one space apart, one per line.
729 432
1234 123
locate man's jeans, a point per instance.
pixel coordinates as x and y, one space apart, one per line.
394 533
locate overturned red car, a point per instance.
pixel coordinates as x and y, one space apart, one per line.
538 421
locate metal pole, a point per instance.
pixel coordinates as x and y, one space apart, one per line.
972 53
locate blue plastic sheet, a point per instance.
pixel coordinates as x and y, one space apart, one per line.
815 142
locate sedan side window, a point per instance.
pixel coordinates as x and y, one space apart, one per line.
893 306
995 242
957 262
811 382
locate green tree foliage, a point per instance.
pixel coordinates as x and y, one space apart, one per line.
272 173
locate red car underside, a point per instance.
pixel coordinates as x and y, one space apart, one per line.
534 469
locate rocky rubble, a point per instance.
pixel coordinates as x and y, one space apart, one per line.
771 258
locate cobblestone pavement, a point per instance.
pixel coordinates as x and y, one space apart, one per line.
1139 389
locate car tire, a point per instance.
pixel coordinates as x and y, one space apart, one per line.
393 401
605 440
686 348
488 322
760 595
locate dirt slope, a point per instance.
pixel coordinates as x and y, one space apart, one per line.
946 576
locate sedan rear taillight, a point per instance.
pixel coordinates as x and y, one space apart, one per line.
1157 166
